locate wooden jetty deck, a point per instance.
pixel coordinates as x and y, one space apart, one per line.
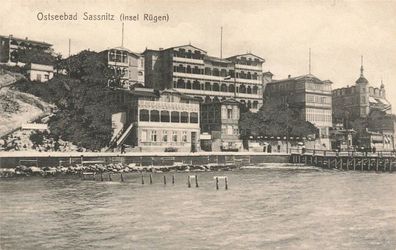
361 161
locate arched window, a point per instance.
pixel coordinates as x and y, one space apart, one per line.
165 116
249 104
188 69
175 116
181 68
196 85
144 115
223 73
231 88
216 86
181 84
249 90
184 117
154 116
216 72
255 104
208 71
208 86
255 89
216 99
207 99
223 87
188 85
255 76
193 117
242 89
248 76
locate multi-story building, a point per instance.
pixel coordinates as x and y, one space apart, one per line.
127 65
220 119
9 47
307 94
358 100
191 71
157 121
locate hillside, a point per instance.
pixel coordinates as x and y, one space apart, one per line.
17 107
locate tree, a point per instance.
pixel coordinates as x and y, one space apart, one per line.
276 121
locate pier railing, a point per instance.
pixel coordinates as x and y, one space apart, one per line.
321 152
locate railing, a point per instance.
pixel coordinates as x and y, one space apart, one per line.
321 152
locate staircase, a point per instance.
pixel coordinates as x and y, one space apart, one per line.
120 137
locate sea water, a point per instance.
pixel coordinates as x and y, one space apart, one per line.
270 207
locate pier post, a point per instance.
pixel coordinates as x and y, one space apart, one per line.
217 183
196 181
362 164
101 176
164 180
354 163
142 180
173 179
151 179
122 178
347 163
110 177
226 183
188 182
376 164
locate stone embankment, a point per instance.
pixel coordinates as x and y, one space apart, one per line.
79 169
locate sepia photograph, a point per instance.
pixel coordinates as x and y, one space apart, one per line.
198 124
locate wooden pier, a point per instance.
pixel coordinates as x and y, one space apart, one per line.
358 161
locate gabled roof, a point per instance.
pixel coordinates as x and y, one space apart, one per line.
217 59
188 45
302 77
247 54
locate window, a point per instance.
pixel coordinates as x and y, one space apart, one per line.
193 117
154 135
144 115
175 117
229 130
174 136
184 136
154 116
165 116
164 136
229 113
184 117
46 77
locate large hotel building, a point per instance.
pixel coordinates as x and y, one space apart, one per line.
192 71
310 95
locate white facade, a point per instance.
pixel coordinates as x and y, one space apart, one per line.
40 72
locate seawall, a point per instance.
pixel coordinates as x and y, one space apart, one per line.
48 159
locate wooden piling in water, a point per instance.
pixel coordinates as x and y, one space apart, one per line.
188 182
142 180
164 179
173 179
196 181
101 176
122 178
110 177
217 183
151 178
226 183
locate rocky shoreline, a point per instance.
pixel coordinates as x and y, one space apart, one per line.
80 169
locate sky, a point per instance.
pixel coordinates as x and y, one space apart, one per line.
338 32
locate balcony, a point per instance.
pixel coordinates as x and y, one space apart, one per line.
219 93
171 106
215 78
249 67
188 60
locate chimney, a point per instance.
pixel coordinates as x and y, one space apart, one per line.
288 76
26 38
